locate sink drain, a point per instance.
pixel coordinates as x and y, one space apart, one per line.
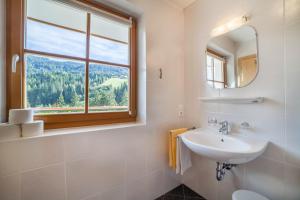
221 170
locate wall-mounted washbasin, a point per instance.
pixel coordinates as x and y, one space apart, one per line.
232 149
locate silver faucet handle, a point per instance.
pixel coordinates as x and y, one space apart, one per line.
224 123
225 127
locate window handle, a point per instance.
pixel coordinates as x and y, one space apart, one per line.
15 59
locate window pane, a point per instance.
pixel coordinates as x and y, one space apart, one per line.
218 70
109 28
209 68
108 51
57 13
210 73
51 39
108 88
54 85
109 40
209 60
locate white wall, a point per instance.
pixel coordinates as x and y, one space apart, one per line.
127 163
246 48
2 60
292 74
277 173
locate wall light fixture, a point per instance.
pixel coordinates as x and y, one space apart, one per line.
229 26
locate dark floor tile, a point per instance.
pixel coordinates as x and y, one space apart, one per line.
173 197
189 193
194 198
181 193
178 191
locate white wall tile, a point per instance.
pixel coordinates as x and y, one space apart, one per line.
291 182
93 175
292 81
157 151
77 146
115 193
172 180
207 184
10 158
136 149
36 153
104 142
137 190
10 187
202 177
156 184
46 183
265 177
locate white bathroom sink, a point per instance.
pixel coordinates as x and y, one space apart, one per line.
232 149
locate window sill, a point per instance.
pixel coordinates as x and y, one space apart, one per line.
77 130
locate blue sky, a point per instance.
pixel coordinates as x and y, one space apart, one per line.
42 37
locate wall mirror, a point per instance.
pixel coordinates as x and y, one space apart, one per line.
232 58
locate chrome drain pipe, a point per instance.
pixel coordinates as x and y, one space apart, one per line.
221 170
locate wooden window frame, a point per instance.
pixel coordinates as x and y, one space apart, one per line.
220 57
15 21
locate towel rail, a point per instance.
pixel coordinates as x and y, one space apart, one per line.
189 129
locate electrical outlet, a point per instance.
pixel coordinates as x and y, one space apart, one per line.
180 110
180 113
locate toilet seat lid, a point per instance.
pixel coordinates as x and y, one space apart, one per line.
247 195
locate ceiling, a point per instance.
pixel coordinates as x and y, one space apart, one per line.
182 3
243 34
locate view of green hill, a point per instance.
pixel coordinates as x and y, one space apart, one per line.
52 83
115 82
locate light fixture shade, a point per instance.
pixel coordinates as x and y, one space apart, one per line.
229 26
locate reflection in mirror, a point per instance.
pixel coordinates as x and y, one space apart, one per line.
231 59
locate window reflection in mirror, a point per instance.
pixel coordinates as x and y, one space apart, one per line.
231 59
216 67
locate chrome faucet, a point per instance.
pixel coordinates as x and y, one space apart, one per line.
224 129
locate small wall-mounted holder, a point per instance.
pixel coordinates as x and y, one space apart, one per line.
245 125
246 18
160 73
212 121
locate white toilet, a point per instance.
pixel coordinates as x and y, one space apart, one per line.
247 195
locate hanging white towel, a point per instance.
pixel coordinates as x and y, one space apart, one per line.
183 156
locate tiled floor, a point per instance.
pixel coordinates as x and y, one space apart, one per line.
182 192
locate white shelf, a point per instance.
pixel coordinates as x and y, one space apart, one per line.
232 100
